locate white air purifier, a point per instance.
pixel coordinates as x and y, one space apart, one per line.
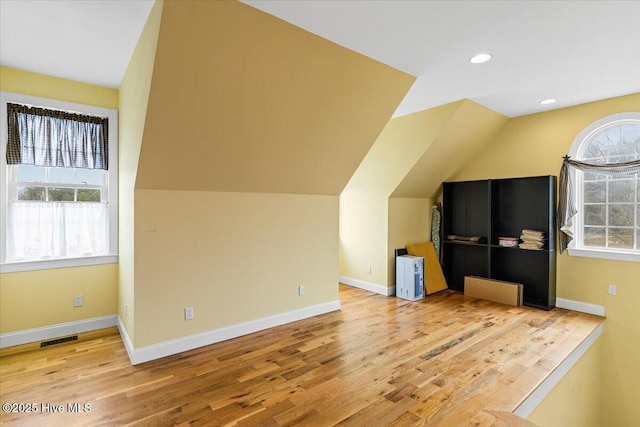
410 277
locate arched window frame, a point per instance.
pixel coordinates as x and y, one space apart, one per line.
579 145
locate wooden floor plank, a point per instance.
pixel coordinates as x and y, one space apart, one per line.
446 360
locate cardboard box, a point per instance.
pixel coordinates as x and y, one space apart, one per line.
493 290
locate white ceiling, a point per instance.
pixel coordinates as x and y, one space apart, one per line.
85 40
574 51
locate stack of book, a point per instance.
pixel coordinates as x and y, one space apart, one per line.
533 240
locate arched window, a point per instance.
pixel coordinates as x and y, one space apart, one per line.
607 198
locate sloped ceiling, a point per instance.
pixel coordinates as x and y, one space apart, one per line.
242 101
415 153
402 142
467 131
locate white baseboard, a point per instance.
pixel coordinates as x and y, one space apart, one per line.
126 340
530 403
582 307
178 345
56 331
367 286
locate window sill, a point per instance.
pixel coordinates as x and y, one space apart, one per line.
14 267
595 253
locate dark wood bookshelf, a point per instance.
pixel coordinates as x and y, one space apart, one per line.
501 208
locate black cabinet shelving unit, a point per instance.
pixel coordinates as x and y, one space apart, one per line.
501 208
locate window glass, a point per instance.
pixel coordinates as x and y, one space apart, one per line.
595 215
621 238
621 190
89 176
88 194
61 194
28 173
62 175
631 135
32 193
594 236
610 214
595 192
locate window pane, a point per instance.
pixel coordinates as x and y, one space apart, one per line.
622 190
622 154
595 192
594 177
62 175
61 194
621 215
595 215
28 173
31 193
88 194
594 236
597 148
621 238
631 134
89 176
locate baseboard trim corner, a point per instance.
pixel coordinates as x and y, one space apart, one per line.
179 345
56 331
368 286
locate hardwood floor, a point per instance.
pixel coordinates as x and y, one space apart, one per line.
380 361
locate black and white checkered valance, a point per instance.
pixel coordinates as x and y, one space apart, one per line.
46 137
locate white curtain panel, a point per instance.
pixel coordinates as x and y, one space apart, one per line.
47 230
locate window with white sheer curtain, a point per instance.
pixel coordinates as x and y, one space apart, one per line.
60 200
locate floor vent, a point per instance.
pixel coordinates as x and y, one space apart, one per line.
58 341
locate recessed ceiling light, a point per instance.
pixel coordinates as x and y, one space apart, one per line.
547 101
480 58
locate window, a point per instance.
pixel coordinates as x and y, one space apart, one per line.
607 224
59 200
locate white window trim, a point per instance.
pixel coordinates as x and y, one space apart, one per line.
576 153
112 256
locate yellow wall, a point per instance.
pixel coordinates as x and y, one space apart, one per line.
233 257
364 221
534 145
34 84
249 136
134 96
404 170
41 298
255 104
409 222
575 400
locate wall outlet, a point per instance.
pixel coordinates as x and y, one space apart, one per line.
369 269
188 313
126 310
612 290
301 290
78 300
